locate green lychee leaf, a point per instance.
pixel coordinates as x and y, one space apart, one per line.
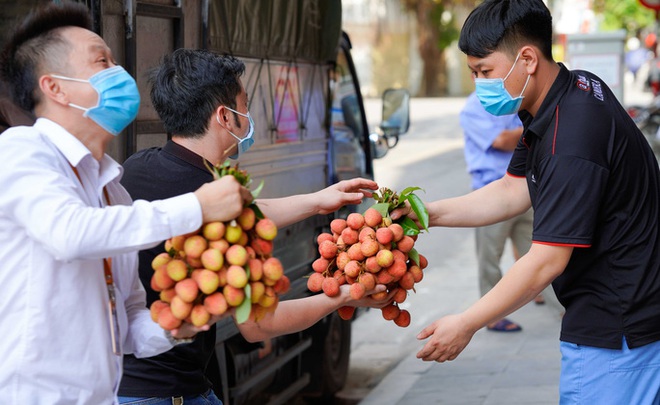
414 255
382 208
420 210
409 226
257 191
257 211
243 310
409 190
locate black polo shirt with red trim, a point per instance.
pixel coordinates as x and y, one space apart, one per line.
156 174
594 185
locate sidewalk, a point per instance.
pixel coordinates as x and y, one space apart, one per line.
496 367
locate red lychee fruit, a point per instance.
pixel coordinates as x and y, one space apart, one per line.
345 312
372 217
355 220
397 232
403 319
330 286
390 312
384 235
405 244
337 225
315 282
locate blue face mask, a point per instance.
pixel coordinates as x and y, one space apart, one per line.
119 99
243 143
495 98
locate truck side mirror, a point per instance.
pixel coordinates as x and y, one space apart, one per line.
379 145
396 114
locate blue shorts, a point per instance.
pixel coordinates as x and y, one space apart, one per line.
592 375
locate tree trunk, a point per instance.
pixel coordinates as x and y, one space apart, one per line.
429 51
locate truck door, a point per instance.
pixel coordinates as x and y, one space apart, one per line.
349 141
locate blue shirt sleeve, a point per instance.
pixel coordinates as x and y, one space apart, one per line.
480 130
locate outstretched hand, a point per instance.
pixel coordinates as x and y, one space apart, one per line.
379 301
449 336
188 330
405 211
346 192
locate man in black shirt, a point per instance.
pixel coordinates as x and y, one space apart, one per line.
593 182
11 115
206 111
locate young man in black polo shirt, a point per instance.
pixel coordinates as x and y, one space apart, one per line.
594 185
206 111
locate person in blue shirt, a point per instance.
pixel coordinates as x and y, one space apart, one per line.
489 144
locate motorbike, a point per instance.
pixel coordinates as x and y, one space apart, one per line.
647 120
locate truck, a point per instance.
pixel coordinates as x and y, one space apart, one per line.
310 132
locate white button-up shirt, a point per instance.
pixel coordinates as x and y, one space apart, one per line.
55 345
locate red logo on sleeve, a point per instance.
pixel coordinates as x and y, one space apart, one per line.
583 83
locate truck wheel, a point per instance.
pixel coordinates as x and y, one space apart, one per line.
337 350
327 359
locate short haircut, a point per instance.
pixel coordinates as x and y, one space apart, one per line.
189 86
36 47
506 26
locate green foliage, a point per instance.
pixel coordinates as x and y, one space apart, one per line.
242 176
388 200
444 29
224 169
630 15
447 29
414 255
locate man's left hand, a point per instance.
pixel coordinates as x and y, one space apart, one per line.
346 192
449 336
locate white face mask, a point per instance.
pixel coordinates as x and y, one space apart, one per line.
243 143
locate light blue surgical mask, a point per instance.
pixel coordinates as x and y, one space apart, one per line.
495 98
118 102
243 143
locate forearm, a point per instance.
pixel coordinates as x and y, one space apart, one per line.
288 210
292 316
524 281
496 202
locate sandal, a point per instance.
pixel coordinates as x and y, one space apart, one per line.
505 325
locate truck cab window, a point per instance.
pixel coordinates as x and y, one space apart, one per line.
347 124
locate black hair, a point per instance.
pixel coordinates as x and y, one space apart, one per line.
188 87
506 26
36 45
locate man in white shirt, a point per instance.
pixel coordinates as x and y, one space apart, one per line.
69 232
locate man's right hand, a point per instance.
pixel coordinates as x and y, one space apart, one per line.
222 199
